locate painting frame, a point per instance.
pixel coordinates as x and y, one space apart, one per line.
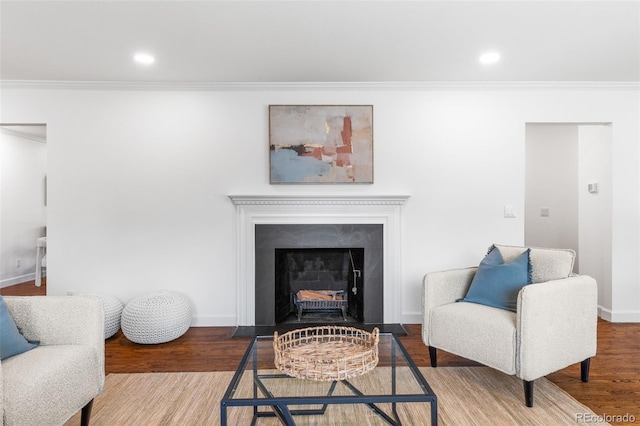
320 144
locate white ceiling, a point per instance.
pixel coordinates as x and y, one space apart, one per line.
320 41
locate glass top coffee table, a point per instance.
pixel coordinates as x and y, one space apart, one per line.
395 392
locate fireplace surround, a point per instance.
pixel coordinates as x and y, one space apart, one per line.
325 210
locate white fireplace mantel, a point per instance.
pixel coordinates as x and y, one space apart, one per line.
252 210
349 200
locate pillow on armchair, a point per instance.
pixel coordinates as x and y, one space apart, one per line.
547 264
12 342
497 282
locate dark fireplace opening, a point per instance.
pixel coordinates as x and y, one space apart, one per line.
319 285
368 238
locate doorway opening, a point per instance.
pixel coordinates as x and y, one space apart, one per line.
23 171
568 195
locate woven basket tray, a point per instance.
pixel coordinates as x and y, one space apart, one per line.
326 353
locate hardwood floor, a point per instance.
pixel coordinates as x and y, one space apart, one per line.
613 388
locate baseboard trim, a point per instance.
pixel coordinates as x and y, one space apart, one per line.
214 321
412 318
17 280
618 316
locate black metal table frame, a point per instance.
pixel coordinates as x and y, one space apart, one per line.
280 405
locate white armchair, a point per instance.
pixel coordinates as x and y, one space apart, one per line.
49 384
553 327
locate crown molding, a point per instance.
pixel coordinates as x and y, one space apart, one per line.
262 86
23 135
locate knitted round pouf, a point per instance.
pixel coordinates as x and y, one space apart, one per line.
112 311
156 317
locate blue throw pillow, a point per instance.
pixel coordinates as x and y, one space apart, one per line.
11 341
497 283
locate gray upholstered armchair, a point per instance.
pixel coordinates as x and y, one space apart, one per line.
49 384
553 326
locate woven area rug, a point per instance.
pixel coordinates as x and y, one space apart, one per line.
466 396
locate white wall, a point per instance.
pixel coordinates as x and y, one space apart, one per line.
139 179
23 163
552 184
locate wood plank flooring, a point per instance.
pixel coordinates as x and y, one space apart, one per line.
613 388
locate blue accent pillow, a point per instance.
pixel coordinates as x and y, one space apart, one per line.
11 341
497 283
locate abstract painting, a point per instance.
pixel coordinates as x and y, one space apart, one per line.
321 144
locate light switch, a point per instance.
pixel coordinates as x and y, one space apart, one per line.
509 211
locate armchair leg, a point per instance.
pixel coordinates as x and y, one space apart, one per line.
433 356
528 392
86 414
584 369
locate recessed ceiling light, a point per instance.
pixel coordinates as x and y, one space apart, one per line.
144 58
489 58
